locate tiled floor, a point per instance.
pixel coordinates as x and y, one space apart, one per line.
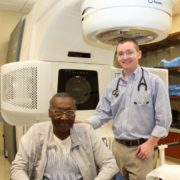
5 166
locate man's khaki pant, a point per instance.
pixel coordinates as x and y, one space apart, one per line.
132 167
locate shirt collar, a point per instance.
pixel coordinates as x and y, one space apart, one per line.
135 74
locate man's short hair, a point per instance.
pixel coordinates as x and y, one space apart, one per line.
123 40
64 95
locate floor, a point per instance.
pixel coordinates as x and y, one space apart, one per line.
5 167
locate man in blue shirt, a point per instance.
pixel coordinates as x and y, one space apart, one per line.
138 103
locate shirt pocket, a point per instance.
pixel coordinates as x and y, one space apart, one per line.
142 99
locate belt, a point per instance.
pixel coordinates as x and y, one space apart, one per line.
135 142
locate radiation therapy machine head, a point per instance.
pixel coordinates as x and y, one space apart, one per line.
108 22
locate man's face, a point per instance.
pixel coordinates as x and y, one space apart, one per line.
128 55
62 114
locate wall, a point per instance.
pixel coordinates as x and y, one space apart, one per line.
176 24
8 21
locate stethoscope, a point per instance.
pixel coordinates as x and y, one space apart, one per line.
142 82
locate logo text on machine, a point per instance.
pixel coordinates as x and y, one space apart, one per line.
155 2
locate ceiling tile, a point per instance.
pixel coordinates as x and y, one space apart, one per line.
22 6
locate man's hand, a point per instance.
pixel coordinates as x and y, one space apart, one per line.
146 150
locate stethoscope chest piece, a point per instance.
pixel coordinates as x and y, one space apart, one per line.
115 92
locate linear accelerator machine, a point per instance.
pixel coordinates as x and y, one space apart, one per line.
69 45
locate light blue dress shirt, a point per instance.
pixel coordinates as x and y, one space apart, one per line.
135 114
